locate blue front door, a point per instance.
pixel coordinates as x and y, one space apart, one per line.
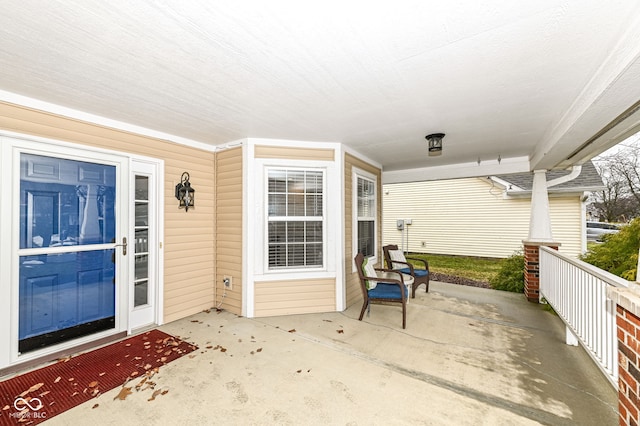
67 259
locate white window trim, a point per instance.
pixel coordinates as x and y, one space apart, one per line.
254 214
285 270
355 174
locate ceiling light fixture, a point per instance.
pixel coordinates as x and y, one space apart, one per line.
435 143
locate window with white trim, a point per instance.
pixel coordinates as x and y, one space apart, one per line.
366 215
295 218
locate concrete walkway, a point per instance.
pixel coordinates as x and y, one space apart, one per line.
468 356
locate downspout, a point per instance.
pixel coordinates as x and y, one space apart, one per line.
575 172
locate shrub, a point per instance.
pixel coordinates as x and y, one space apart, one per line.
618 253
510 276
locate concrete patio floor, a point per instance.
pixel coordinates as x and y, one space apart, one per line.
468 356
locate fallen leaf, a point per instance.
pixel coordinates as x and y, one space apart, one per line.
259 350
134 374
124 392
252 352
299 371
293 330
147 366
223 350
32 389
95 406
163 359
6 407
101 374
93 384
209 347
71 379
139 385
57 379
154 394
44 393
340 331
327 320
192 356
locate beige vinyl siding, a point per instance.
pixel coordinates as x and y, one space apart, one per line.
294 297
566 224
229 228
471 217
353 292
294 153
188 236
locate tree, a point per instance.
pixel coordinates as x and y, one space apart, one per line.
620 172
618 253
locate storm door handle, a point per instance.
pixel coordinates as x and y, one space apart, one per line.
123 245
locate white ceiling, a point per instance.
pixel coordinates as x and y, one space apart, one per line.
529 81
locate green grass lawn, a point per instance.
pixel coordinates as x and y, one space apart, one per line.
475 268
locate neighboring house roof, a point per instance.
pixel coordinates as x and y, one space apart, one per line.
588 180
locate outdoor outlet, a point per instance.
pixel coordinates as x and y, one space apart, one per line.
228 283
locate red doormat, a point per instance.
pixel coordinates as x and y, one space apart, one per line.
36 396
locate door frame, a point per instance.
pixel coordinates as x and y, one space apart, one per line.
11 144
156 237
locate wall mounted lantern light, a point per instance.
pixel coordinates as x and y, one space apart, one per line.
435 143
185 193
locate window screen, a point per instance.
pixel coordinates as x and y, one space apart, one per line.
366 205
295 218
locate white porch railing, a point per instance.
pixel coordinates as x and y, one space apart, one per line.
577 291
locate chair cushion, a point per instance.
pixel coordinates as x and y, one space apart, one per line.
416 272
399 256
368 270
388 291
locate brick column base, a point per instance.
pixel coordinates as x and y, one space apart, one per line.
532 269
627 300
628 367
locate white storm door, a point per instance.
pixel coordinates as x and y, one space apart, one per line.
71 226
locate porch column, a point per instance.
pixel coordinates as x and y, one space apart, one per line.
627 302
539 234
